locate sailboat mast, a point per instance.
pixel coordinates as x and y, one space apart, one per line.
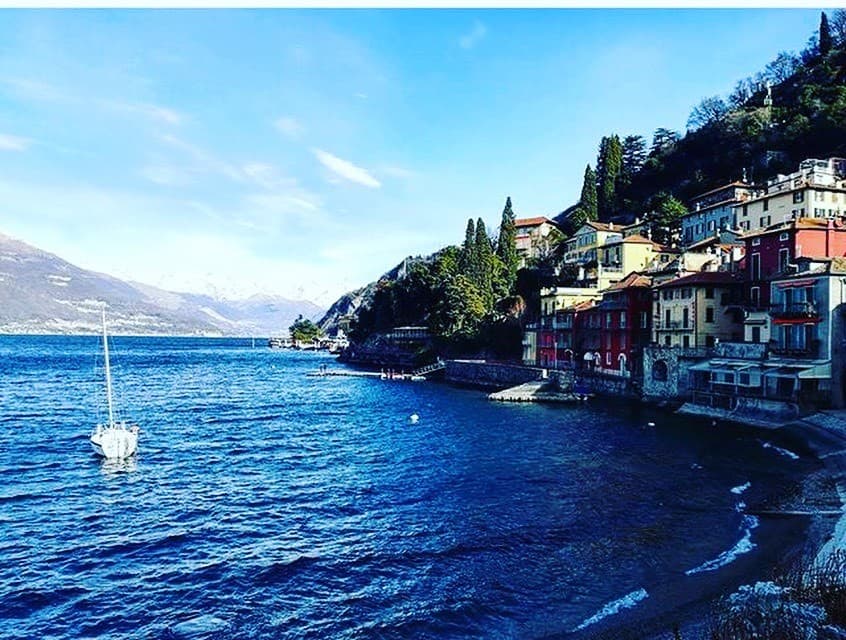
108 372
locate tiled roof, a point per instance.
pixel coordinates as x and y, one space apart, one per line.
819 224
636 239
634 279
532 222
702 277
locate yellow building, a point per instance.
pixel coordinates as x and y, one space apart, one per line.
698 310
583 246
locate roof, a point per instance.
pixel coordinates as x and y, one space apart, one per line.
714 241
829 266
818 224
634 279
636 238
580 306
703 278
532 222
736 183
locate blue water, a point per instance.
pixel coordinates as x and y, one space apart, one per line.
267 504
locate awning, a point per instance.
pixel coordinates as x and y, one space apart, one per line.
821 371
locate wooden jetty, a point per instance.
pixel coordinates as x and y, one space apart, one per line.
417 375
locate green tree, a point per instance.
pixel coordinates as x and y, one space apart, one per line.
663 141
506 246
484 276
588 201
468 262
608 165
304 330
634 155
460 310
665 216
825 35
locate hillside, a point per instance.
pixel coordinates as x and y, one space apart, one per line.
42 293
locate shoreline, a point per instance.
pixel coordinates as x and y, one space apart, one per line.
801 530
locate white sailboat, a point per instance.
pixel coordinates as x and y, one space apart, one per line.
114 440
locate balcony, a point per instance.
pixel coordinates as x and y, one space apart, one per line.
673 325
794 310
811 350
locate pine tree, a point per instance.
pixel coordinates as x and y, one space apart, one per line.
608 167
588 199
506 247
825 35
634 155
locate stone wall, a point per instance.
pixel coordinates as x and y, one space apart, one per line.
490 375
605 384
666 372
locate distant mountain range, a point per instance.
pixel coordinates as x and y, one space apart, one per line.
41 293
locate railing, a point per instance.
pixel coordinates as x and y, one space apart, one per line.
794 310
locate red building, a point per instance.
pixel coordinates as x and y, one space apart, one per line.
770 251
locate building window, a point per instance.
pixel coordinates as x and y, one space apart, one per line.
686 342
766 204
608 320
755 296
660 370
819 196
756 242
798 196
756 266
643 319
764 221
709 292
783 237
709 314
667 317
709 341
711 225
783 259
608 341
667 341
685 317
608 357
745 210
622 319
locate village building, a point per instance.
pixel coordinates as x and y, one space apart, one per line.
816 190
535 237
698 310
583 247
773 252
712 213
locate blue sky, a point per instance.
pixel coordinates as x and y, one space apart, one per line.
304 152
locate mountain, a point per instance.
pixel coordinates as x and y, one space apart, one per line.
352 301
41 293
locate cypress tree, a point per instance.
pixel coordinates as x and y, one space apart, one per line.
484 261
608 167
588 199
506 247
467 261
825 35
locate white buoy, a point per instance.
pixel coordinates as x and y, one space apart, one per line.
650 424
414 418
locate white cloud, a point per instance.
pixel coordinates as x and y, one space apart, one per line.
474 36
13 143
345 169
289 127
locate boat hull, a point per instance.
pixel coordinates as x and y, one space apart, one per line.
115 442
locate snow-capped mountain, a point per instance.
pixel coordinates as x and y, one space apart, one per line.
41 293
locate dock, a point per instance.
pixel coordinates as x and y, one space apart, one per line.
418 375
537 391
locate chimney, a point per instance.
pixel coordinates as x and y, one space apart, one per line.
610 226
829 237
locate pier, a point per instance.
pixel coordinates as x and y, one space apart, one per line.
537 391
